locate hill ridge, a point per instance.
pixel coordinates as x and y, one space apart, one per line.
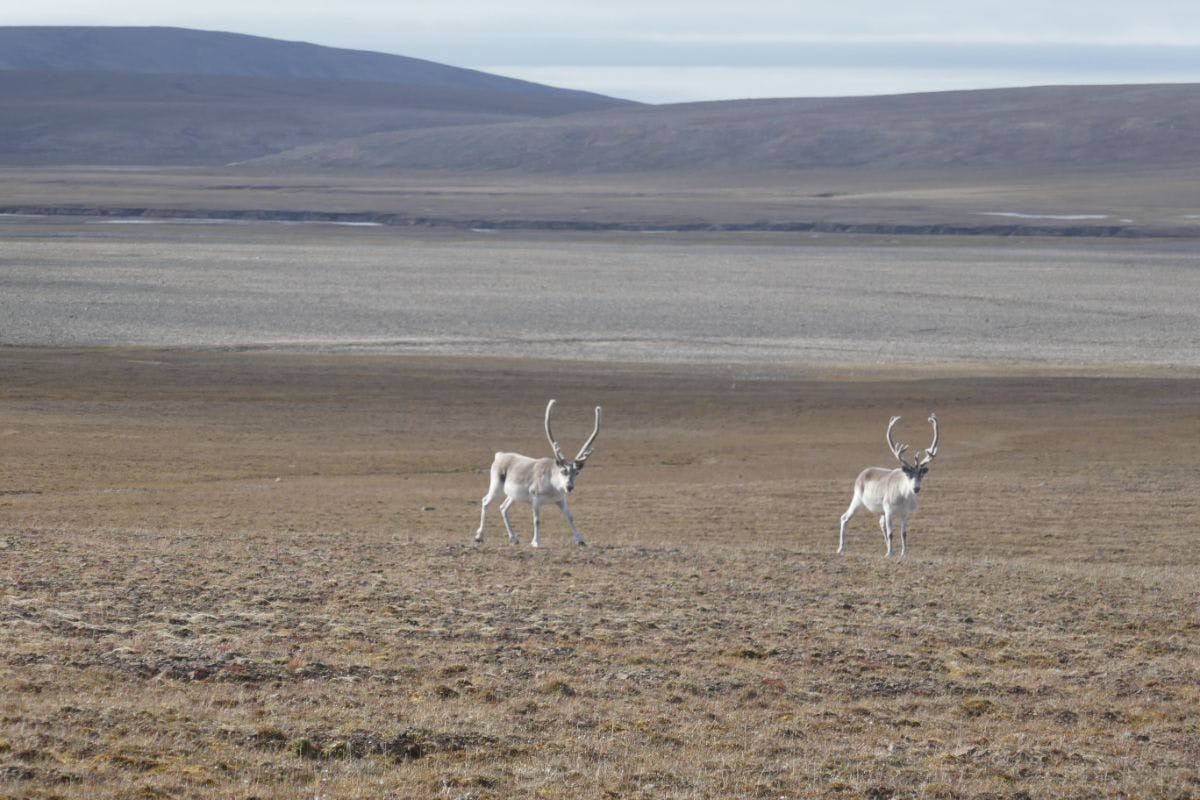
177 97
186 51
1018 129
311 107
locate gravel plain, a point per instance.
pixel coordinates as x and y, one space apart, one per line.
756 298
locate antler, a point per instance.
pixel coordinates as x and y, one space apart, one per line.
931 452
558 453
897 449
586 450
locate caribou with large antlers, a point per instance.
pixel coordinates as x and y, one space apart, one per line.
891 493
536 481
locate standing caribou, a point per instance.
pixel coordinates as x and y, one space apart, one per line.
536 481
891 493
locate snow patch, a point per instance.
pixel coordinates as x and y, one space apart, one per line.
1022 215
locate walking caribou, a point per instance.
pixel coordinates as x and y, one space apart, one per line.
891 493
536 481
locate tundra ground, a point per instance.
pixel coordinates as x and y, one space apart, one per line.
231 574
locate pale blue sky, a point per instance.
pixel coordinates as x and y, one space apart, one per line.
660 51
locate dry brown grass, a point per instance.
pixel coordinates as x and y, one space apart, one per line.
250 575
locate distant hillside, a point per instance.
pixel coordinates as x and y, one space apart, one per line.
180 51
174 97
107 118
1015 129
166 96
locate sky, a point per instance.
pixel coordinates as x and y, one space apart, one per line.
658 51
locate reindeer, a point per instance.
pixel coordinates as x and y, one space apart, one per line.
891 493
536 481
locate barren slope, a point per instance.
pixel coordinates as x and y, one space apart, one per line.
169 96
113 118
1021 131
184 51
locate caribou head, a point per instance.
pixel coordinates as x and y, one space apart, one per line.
916 469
